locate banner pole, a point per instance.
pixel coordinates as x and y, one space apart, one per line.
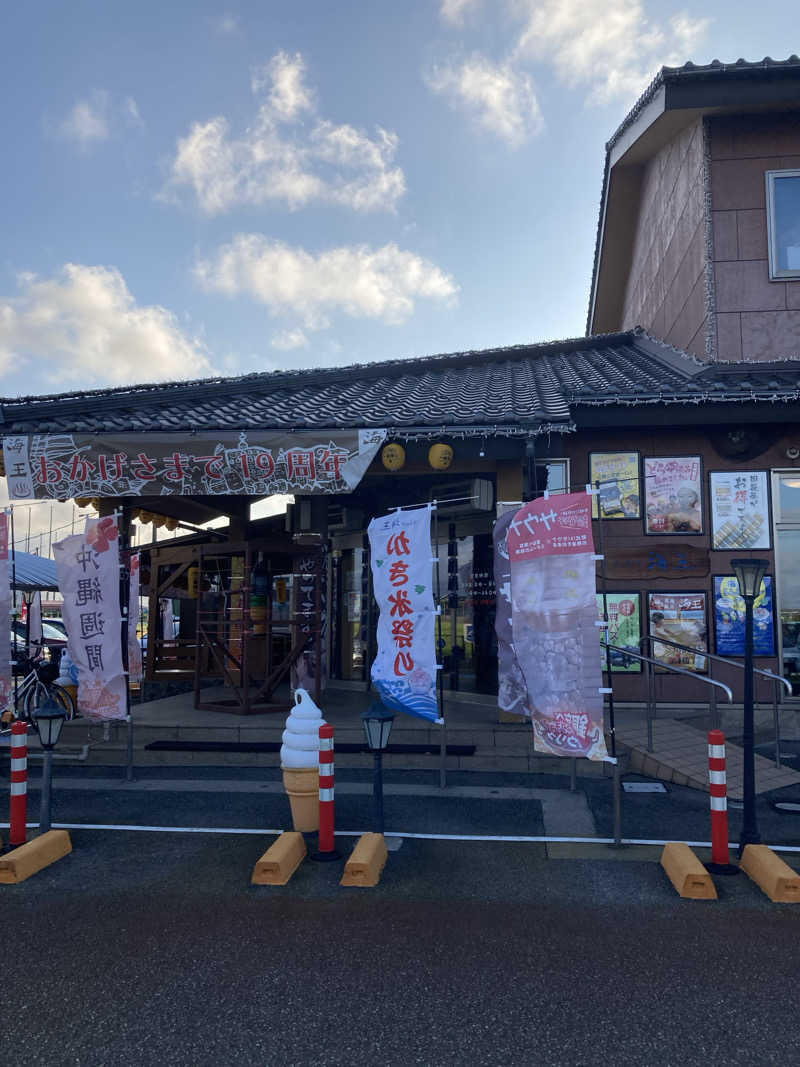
439 671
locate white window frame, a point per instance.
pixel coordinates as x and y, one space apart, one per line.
557 459
775 273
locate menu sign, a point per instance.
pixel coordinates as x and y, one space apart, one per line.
739 509
673 495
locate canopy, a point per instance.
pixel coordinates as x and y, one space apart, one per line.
29 572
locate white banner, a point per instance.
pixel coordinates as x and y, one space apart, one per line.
134 644
88 577
35 631
404 671
6 685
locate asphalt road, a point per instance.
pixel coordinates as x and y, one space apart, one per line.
153 948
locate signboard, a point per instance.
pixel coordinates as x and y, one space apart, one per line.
618 475
6 686
679 617
404 670
61 466
671 560
739 509
673 495
87 565
624 630
553 594
134 612
512 695
729 618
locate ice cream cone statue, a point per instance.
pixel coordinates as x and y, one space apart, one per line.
300 761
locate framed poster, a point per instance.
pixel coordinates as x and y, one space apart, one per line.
618 474
679 617
729 618
673 495
739 509
624 630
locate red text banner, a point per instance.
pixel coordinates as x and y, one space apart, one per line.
62 466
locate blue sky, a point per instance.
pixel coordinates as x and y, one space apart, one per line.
190 188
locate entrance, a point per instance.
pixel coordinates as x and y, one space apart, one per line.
786 506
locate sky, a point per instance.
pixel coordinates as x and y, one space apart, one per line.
191 189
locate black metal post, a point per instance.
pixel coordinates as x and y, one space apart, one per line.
45 800
378 791
750 834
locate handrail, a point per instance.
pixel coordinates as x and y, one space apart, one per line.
669 667
715 657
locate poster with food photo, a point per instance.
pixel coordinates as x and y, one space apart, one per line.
679 617
624 631
673 495
739 509
618 496
729 618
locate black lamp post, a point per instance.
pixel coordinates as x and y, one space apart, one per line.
377 727
49 719
749 574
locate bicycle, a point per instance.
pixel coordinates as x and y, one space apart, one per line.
37 686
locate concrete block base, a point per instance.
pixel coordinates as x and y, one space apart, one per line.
281 860
367 861
687 873
770 873
34 856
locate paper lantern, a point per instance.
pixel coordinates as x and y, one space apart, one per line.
393 456
440 456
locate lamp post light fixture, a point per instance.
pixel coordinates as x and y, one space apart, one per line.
49 718
749 574
377 727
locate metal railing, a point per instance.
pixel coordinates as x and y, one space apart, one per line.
776 679
673 670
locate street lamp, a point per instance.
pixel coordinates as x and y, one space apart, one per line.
377 727
749 574
49 719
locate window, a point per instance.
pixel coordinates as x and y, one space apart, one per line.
552 474
783 223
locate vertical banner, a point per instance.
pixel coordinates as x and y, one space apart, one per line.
6 686
512 696
87 565
35 631
304 589
404 670
553 619
134 613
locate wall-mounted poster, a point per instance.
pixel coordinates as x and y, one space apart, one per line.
729 618
618 475
624 630
739 509
679 617
673 495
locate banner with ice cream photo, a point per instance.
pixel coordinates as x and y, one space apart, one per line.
404 670
553 620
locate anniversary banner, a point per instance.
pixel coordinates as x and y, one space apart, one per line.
554 611
61 466
87 565
404 670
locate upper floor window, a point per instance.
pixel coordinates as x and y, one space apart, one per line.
783 223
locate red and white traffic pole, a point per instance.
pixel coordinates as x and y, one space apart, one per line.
718 787
19 784
327 841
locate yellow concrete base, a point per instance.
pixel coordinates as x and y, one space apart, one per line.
510 718
34 856
367 861
768 871
687 873
281 860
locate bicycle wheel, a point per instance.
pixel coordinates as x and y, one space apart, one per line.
41 691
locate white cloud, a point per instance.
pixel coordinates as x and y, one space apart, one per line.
381 283
280 157
286 340
500 98
454 10
611 46
83 326
225 24
87 121
131 112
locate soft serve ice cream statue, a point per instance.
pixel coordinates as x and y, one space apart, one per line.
300 761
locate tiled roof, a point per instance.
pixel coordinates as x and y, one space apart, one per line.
526 388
